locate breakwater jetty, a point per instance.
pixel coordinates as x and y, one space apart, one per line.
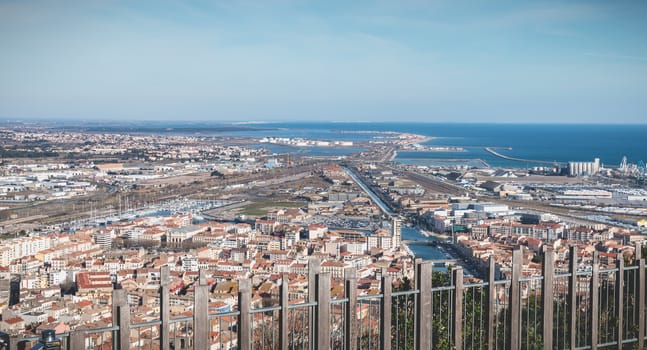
492 151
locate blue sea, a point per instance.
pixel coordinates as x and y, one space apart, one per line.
544 142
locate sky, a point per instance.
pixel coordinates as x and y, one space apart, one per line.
283 60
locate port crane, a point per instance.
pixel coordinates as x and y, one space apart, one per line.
640 174
634 170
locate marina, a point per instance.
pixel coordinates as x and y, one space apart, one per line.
167 208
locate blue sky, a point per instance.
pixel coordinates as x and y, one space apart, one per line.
415 60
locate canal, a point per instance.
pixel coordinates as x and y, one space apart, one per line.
420 249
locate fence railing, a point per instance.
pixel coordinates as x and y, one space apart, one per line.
582 308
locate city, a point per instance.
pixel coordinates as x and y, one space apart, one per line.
185 213
281 174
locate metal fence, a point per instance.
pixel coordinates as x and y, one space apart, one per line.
578 308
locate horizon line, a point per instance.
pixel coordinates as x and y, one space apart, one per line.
252 122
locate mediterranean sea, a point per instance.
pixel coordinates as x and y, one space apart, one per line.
543 142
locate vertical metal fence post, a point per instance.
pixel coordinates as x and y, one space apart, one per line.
283 323
423 308
638 252
458 308
515 300
13 342
350 323
385 314
416 286
77 340
416 262
638 260
244 319
547 297
641 303
201 313
595 301
620 282
572 296
314 268
121 318
165 306
491 309
322 315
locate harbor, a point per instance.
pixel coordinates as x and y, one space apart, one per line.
172 207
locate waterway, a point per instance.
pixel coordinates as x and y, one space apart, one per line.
542 142
385 209
419 248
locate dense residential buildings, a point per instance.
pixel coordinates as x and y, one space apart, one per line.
237 213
